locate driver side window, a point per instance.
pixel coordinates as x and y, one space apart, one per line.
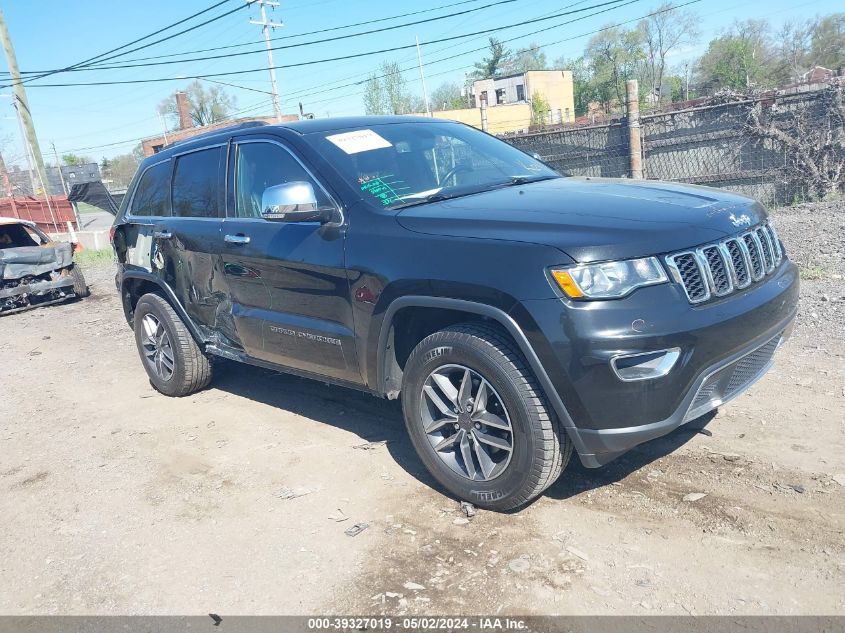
261 165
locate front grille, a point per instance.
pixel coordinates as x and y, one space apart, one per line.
732 379
719 274
693 280
715 270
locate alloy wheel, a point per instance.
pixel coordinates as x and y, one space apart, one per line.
158 351
466 422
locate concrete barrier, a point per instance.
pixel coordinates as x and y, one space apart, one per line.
95 240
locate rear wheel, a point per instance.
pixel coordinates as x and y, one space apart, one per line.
478 419
173 361
80 288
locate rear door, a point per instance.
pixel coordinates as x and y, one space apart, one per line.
290 302
189 240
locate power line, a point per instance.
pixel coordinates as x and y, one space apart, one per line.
364 54
104 56
311 43
289 37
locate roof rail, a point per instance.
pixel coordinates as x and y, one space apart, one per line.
221 130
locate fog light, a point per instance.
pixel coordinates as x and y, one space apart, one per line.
645 365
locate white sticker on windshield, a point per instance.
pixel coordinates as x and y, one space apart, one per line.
359 141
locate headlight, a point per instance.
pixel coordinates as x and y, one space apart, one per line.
609 280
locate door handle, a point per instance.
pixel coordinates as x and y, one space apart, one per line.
240 238
162 235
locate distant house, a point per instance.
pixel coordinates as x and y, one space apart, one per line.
555 86
817 75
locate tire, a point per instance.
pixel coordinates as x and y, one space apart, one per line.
80 288
540 448
189 368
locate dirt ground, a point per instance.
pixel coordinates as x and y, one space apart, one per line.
234 501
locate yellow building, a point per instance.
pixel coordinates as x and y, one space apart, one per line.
509 101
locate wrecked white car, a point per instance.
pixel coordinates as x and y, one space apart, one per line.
34 270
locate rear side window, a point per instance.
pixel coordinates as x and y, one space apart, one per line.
197 184
151 195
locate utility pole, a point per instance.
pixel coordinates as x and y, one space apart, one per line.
29 166
22 105
59 168
635 146
422 77
265 27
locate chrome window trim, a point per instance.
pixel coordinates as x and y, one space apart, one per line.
238 142
129 215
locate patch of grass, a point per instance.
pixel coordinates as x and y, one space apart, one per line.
812 273
87 208
90 257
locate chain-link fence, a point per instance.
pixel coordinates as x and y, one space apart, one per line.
777 148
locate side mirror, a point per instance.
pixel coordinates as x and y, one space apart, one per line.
536 156
292 202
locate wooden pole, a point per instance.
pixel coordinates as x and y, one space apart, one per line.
635 146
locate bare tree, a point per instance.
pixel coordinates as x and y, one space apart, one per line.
814 138
663 32
208 106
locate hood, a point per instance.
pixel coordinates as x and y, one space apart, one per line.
34 260
592 219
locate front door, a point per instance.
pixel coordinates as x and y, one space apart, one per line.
287 281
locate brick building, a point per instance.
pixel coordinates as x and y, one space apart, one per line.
186 129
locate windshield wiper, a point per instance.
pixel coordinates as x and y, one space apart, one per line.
524 180
434 197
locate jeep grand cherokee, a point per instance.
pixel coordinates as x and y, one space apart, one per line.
518 314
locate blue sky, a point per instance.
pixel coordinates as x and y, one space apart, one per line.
102 121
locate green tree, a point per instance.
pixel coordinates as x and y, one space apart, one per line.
740 59
74 159
121 170
539 109
207 106
524 59
386 92
827 45
491 66
615 55
447 96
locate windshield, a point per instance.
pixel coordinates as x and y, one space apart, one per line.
401 164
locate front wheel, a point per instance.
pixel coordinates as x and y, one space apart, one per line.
478 419
80 288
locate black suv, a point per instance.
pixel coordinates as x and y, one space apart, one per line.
518 313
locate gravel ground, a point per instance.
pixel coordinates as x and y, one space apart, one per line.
814 234
118 500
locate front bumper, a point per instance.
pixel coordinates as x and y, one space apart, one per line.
726 345
42 292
